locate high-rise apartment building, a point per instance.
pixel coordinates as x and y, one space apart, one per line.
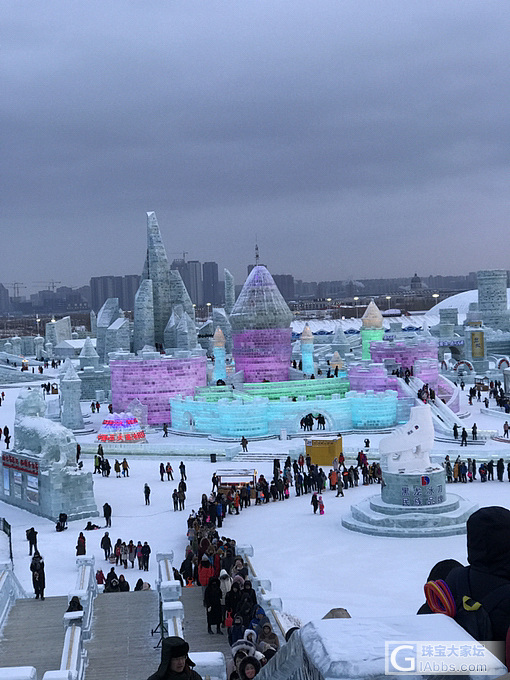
195 282
285 283
122 287
211 284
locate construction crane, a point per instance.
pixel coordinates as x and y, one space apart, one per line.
51 284
15 288
180 252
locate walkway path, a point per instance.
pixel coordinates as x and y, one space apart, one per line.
195 625
34 634
121 646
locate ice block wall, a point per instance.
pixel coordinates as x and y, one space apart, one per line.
364 375
428 371
404 352
373 409
263 354
154 381
261 416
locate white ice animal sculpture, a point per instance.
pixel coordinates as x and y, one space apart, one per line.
407 448
54 443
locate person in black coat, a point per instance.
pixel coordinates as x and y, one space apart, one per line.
488 547
38 575
186 569
247 603
212 600
123 584
146 551
106 545
32 540
232 598
175 662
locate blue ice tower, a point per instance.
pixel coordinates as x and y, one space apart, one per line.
307 351
220 365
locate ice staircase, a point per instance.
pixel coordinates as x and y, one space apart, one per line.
121 645
33 633
195 625
443 417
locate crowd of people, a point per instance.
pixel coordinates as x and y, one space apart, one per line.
122 553
229 599
118 584
465 471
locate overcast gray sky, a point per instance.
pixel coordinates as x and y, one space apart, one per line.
351 138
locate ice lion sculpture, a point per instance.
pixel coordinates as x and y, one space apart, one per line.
34 433
407 448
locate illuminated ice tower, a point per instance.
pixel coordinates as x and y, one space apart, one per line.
261 333
307 351
371 329
220 367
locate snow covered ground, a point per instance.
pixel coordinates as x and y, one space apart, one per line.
314 564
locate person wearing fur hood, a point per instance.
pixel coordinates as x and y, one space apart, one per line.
248 643
268 638
225 584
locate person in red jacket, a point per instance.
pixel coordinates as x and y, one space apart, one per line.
205 572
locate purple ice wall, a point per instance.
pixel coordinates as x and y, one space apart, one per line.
154 381
404 353
263 354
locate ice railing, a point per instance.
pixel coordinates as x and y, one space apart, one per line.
10 590
212 664
73 660
209 665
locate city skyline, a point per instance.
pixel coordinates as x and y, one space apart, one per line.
348 140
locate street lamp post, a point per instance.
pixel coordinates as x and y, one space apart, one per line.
388 297
208 310
356 298
435 296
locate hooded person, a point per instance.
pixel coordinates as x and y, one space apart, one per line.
248 668
236 631
212 599
258 620
225 583
268 638
38 575
247 603
232 598
487 578
175 662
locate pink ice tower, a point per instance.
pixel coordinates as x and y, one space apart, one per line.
261 333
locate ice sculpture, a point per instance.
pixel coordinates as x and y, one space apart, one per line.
220 368
70 387
156 268
220 320
371 329
40 473
413 500
143 316
230 296
407 448
108 313
307 351
261 333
